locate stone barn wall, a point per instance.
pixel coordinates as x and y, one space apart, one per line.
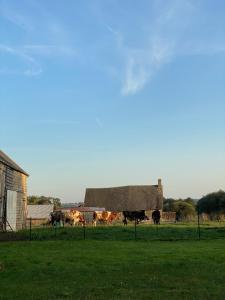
14 181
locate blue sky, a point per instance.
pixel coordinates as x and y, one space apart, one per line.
106 93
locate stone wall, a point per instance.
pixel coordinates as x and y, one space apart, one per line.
2 187
37 222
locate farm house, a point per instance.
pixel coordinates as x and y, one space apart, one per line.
126 198
13 194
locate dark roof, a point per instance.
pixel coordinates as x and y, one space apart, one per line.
69 205
131 198
90 209
10 163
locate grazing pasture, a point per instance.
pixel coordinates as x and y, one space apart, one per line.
88 269
210 230
163 232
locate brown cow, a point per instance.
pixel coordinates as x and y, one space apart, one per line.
76 217
72 217
105 217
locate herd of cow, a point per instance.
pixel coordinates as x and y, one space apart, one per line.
75 217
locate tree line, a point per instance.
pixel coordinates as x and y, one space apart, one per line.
213 204
44 200
185 208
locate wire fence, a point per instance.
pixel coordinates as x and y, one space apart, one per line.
193 230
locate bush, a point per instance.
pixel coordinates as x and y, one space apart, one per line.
212 204
184 210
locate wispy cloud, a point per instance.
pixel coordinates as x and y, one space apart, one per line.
41 26
50 50
141 65
31 66
30 56
170 33
113 31
13 16
57 122
143 62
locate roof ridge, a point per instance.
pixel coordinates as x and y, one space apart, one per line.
5 159
124 186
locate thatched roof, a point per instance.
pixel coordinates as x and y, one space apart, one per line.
130 198
10 163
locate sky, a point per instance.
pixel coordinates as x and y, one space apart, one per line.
105 93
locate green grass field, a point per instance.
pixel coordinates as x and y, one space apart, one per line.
164 232
112 265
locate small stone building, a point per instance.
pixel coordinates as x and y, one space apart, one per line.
13 194
126 198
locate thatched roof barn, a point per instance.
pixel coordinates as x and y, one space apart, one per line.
126 198
13 194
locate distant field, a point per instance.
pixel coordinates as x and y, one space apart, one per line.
112 269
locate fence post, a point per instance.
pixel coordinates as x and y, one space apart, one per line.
199 231
30 228
84 227
135 228
55 229
84 230
157 229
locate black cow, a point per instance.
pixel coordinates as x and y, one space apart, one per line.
156 216
134 215
57 217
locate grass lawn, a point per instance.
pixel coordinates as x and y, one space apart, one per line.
93 269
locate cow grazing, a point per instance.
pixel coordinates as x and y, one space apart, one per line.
134 215
73 217
77 217
113 216
105 217
57 218
156 216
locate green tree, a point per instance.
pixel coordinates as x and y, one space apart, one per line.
190 201
168 204
184 210
44 200
212 204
